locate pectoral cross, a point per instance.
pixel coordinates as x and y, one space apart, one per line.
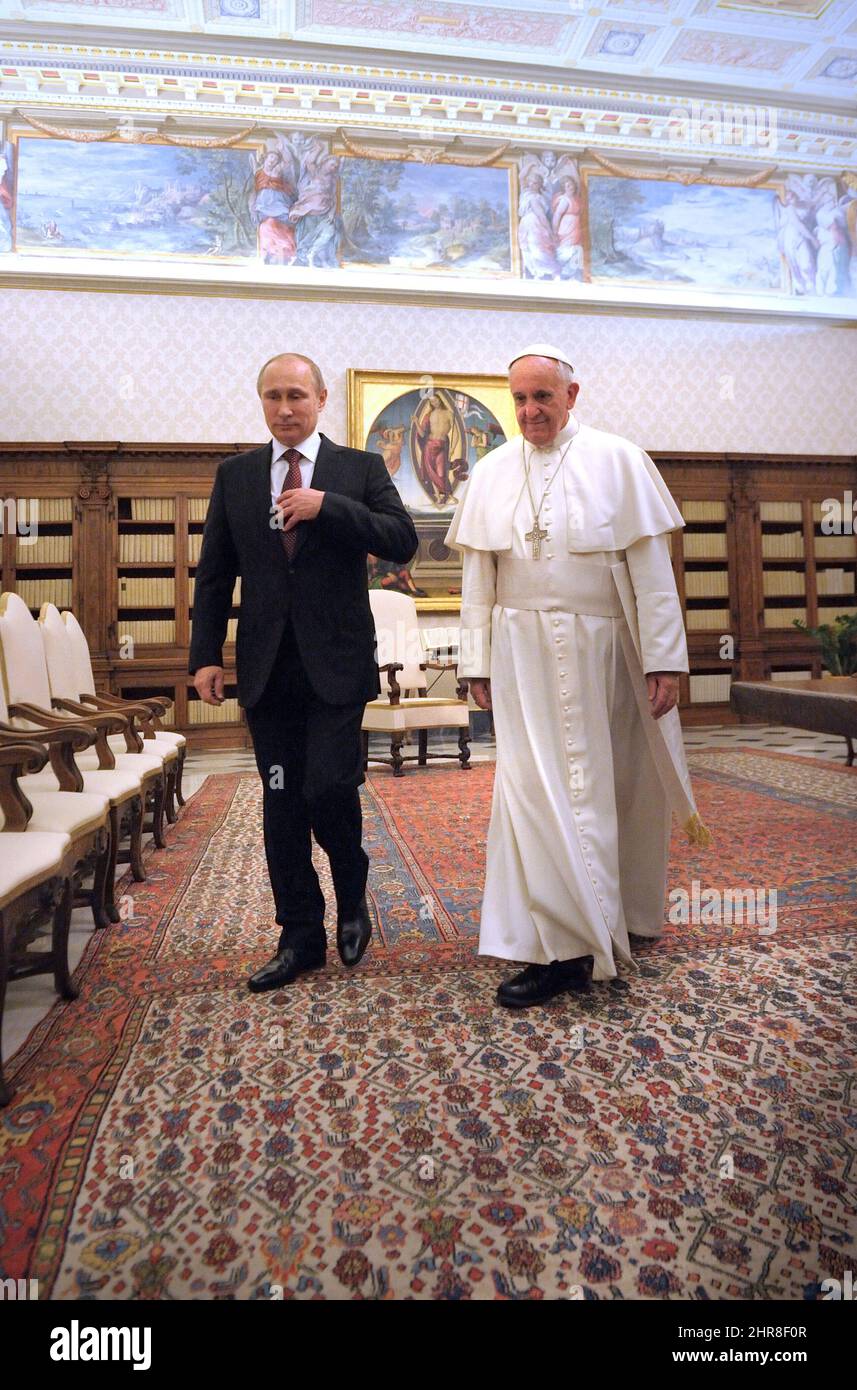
536 536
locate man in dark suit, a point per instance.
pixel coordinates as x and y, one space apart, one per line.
296 519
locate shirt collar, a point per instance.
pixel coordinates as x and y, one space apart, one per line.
308 447
565 436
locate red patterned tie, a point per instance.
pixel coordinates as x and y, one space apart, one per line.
293 479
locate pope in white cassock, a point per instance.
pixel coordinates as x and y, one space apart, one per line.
571 631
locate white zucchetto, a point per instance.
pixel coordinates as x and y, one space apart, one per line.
543 350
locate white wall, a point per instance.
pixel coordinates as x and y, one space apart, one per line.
181 368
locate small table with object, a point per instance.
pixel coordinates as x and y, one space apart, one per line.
826 706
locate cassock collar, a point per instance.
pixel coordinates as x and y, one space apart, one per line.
566 434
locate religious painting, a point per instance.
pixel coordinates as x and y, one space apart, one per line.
137 200
294 201
431 430
550 217
436 218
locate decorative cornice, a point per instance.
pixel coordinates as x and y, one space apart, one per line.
153 85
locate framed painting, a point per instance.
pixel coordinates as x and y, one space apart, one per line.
430 429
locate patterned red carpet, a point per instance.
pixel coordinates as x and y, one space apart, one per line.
686 1131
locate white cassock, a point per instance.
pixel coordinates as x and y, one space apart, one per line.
586 780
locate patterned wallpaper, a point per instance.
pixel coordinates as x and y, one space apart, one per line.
151 367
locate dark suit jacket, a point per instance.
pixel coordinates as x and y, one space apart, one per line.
324 588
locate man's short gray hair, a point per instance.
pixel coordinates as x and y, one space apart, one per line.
318 379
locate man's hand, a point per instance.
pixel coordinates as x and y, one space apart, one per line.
297 504
481 691
208 684
663 691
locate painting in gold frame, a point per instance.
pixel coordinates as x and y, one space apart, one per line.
431 428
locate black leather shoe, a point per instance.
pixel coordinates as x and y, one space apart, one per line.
353 930
538 983
284 967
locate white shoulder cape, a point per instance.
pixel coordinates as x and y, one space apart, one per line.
614 496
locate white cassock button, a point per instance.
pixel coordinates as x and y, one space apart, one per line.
556 621
577 810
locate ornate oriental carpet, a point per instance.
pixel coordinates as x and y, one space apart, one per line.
684 1131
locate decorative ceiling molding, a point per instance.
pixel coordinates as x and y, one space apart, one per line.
55 82
721 46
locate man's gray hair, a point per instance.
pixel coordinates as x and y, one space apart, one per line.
318 379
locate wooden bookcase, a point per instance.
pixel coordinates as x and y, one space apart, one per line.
747 563
120 526
131 517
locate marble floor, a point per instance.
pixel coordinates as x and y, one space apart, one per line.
27 1001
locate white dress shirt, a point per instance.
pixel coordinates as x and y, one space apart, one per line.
308 447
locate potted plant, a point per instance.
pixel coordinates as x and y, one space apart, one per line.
838 642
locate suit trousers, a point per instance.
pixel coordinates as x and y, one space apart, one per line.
310 758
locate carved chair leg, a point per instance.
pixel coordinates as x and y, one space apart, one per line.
170 811
396 754
365 740
464 748
111 911
135 853
179 770
850 745
98 895
422 747
158 805
59 935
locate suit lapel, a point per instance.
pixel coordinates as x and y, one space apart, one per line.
324 475
259 501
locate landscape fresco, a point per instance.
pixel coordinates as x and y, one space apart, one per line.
294 198
435 218
702 236
134 200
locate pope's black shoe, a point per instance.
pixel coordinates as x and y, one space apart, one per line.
353 930
538 983
285 966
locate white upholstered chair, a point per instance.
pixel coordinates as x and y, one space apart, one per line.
82 815
127 780
103 699
63 678
35 886
404 704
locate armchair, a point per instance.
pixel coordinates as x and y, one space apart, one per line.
404 704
